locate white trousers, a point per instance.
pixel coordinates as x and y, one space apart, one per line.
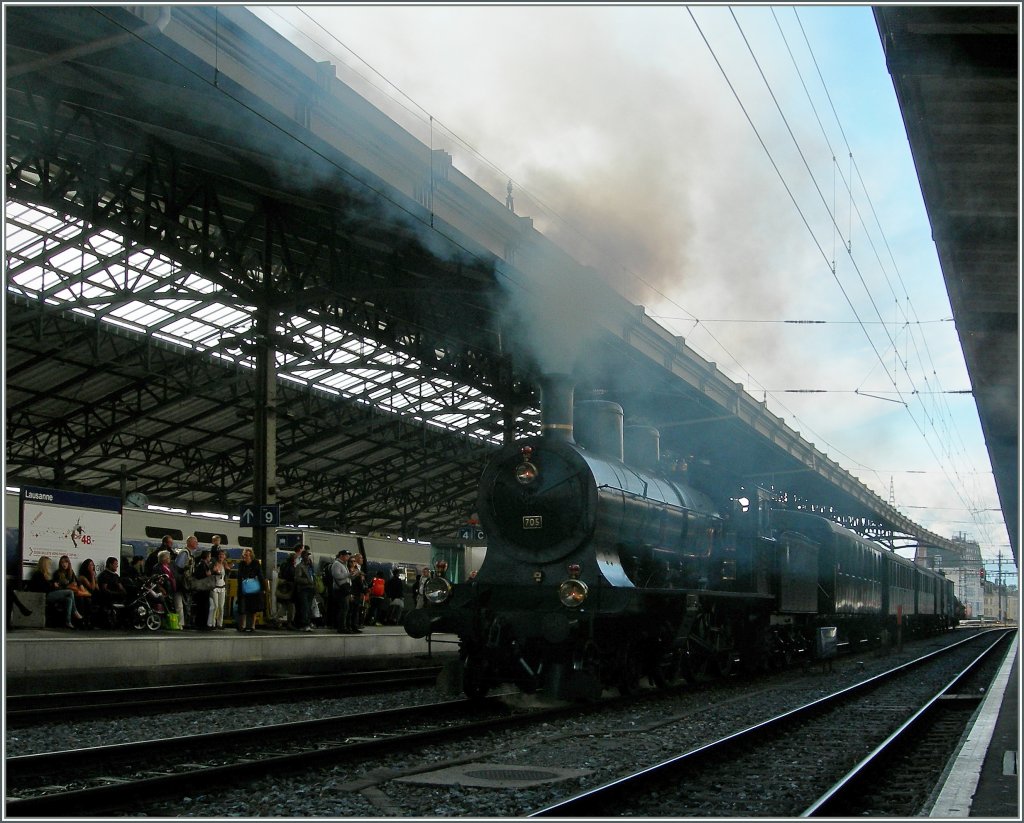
217 599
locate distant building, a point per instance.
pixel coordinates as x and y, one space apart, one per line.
964 567
1001 603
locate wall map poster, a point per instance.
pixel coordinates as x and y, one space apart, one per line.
55 523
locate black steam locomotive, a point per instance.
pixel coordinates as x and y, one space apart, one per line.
600 572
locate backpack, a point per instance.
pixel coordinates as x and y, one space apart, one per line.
188 573
286 571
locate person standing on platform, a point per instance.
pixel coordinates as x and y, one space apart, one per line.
201 595
341 591
359 589
421 581
219 595
304 590
394 593
184 567
250 603
169 585
284 593
378 606
153 558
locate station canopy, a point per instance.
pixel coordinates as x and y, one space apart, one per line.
142 369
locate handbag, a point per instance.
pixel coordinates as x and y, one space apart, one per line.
204 584
250 585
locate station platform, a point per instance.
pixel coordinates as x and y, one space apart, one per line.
983 780
54 660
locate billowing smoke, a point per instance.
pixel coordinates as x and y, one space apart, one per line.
552 307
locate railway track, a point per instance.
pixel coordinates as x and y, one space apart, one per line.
376 759
22 710
894 780
160 768
113 778
826 770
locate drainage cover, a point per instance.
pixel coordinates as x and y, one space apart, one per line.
532 775
494 775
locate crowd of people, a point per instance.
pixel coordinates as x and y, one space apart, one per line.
191 586
343 595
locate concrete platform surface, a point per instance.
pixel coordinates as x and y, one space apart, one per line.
51 659
983 780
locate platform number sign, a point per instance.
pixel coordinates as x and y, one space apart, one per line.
471 533
270 516
255 516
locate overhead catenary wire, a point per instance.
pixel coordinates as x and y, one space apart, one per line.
957 486
947 416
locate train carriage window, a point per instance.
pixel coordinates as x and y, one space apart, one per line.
245 542
207 537
159 532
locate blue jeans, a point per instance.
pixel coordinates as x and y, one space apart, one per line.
68 596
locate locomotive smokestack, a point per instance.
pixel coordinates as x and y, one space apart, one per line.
599 427
642 446
556 392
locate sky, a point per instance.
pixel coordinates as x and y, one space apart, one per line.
742 172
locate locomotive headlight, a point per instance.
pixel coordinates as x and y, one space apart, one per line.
572 593
526 473
437 590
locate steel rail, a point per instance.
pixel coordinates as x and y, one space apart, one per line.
52 762
836 801
26 709
125 791
595 802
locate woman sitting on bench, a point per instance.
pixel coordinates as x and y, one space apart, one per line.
42 580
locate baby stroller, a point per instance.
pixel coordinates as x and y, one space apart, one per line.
143 610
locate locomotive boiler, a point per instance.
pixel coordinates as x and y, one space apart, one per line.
601 569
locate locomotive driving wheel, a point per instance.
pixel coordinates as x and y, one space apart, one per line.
474 679
698 649
725 662
630 670
666 668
